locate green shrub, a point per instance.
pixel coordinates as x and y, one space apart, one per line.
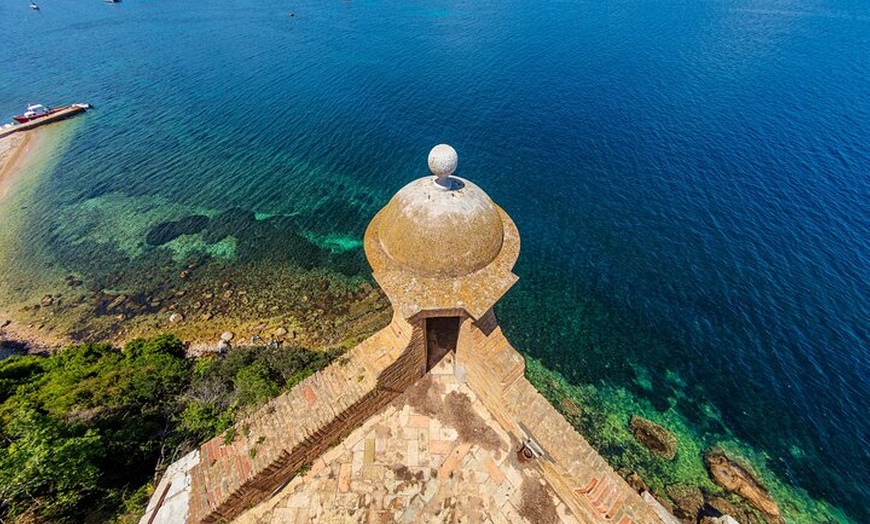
47 465
82 431
254 385
84 422
18 370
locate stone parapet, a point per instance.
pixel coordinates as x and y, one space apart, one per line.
293 430
581 477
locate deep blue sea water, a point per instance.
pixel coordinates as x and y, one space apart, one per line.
691 179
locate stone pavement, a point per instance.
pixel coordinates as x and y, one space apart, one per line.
435 454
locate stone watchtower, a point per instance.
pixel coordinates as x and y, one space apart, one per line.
443 252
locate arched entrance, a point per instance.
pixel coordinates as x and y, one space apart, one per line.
442 334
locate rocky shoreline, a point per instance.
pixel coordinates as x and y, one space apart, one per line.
198 302
696 478
745 499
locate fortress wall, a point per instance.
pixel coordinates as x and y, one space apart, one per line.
581 477
293 430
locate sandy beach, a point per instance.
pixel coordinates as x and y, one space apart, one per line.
14 150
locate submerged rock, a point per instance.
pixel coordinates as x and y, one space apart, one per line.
117 302
232 222
654 437
737 479
168 231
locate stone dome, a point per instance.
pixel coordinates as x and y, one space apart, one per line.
441 232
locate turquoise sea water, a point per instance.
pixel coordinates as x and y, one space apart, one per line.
691 180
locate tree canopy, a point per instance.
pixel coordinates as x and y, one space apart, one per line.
82 431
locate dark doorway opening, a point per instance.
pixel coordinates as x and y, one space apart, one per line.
442 333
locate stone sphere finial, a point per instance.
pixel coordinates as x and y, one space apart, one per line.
442 162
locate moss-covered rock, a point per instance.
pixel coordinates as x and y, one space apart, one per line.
654 437
736 478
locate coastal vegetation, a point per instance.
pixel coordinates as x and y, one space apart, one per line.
83 430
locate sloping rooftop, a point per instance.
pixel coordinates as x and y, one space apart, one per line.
435 454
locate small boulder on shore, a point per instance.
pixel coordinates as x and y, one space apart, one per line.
660 507
735 478
654 437
636 482
227 336
742 512
176 318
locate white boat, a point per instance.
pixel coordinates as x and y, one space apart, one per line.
33 112
34 6
39 111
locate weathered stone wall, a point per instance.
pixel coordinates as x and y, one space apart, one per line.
274 443
582 478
